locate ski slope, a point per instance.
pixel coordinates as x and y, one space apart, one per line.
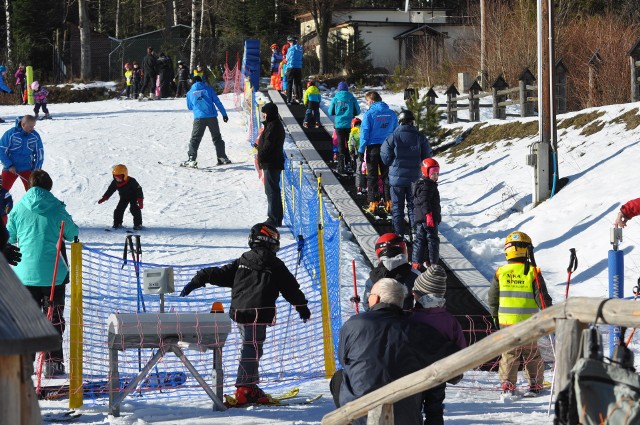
194 217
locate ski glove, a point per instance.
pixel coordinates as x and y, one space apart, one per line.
140 203
429 220
304 312
191 286
12 254
225 118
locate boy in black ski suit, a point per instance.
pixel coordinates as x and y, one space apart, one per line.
183 75
427 216
256 279
130 194
391 250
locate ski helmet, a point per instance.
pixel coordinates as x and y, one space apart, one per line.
406 117
390 245
35 85
517 245
274 46
121 169
127 65
356 122
426 166
263 234
311 83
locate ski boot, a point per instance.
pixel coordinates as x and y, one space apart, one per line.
373 206
250 394
387 207
224 161
190 163
508 389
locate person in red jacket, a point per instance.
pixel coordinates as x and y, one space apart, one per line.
627 212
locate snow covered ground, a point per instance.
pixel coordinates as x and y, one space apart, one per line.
195 217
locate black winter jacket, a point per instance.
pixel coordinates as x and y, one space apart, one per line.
403 274
381 345
130 191
426 199
256 279
271 144
149 65
183 74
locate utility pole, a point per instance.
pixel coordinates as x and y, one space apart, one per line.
545 174
484 74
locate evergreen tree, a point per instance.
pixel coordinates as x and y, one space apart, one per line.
427 116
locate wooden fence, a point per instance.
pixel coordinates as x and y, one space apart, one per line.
566 319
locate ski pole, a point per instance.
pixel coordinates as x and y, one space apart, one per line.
355 299
636 291
50 306
573 265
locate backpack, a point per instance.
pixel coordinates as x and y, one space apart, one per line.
600 391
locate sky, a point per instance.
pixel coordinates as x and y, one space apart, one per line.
195 217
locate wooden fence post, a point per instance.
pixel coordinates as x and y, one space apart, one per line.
594 87
568 333
431 97
499 112
452 113
634 62
381 415
474 102
526 80
561 87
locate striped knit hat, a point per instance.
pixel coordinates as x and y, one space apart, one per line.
432 281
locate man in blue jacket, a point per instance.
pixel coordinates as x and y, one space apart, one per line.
34 223
344 106
203 101
381 345
403 152
377 123
294 69
21 152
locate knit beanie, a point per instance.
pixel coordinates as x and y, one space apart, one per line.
432 281
342 85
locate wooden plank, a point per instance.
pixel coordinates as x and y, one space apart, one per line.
10 394
614 311
568 333
381 415
528 87
508 102
24 328
507 91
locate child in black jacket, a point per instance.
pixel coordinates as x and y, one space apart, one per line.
426 210
130 194
256 279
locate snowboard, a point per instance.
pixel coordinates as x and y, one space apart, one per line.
95 389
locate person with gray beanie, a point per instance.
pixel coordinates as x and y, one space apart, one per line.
428 291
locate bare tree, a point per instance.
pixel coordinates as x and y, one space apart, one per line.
85 40
322 13
8 25
117 19
141 21
202 6
194 19
175 13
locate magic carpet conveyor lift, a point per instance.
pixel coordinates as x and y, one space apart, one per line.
166 332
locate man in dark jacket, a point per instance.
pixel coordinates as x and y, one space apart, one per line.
402 152
381 345
149 68
391 250
165 71
256 279
271 161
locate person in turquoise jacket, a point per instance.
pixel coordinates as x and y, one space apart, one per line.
377 123
34 225
344 106
205 104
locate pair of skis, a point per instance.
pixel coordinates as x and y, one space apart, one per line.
280 400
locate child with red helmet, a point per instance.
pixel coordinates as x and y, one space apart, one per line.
426 210
130 195
391 250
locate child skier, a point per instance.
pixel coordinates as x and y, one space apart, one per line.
276 58
137 79
354 145
517 292
426 209
256 280
128 81
40 97
312 100
6 203
130 194
21 83
182 76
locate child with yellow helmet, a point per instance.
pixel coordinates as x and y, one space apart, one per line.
130 195
517 292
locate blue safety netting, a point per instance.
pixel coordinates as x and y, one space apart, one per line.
251 62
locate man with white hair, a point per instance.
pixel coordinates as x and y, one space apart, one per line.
381 345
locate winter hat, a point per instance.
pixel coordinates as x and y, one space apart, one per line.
343 86
270 108
432 281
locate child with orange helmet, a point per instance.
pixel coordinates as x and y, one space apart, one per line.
130 194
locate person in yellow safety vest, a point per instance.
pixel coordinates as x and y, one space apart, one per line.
517 292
